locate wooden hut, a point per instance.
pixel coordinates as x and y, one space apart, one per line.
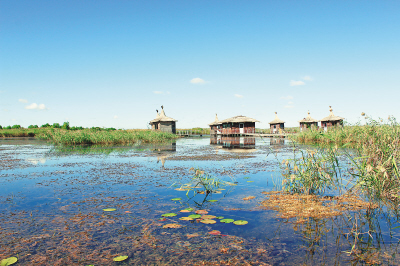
238 125
215 126
331 120
308 123
277 125
163 122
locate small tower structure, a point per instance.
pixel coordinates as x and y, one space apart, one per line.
277 125
215 126
331 120
308 123
163 123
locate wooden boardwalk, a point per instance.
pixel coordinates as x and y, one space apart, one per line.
266 135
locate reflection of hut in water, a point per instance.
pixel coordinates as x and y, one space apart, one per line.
215 126
238 142
277 125
308 123
276 141
215 140
164 151
237 125
163 122
331 120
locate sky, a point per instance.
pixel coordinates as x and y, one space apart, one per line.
113 63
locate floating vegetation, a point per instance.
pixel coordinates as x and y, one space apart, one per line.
208 221
186 219
303 206
120 258
176 199
195 216
215 232
219 217
227 221
8 261
169 214
212 200
240 222
172 226
249 198
201 212
208 216
109 210
187 210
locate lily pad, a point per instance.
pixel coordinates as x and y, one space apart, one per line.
208 216
246 177
217 192
219 217
250 181
201 212
186 219
188 209
240 222
182 189
212 200
120 258
176 199
249 198
215 232
227 221
169 214
109 210
172 226
8 261
207 221
195 216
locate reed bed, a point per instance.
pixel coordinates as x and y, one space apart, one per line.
372 149
90 137
20 132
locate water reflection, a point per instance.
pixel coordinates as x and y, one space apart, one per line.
233 142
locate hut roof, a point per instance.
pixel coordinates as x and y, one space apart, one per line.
216 121
161 117
331 116
308 119
276 120
238 119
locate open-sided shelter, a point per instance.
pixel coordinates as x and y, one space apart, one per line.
331 120
163 122
238 125
308 122
277 125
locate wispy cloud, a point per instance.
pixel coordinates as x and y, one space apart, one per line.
23 101
197 81
287 97
288 106
115 117
308 78
34 106
296 83
238 96
290 102
157 92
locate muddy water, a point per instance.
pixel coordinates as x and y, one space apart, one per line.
52 201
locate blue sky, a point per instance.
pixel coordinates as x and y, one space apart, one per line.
113 63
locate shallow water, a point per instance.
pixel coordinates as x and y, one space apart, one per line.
53 198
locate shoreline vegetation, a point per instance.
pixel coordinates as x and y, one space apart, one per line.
372 151
65 135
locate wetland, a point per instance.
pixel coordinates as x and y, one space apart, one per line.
196 201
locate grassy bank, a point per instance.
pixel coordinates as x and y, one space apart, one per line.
372 149
90 136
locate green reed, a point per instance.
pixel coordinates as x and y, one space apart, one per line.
373 150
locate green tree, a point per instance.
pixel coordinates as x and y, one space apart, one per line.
46 125
65 126
56 125
16 127
33 126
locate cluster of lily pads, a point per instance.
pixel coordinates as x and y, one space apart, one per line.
201 216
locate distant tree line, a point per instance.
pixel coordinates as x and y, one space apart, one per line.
65 126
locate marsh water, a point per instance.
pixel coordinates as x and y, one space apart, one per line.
53 199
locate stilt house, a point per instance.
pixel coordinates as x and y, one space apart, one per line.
277 125
215 126
331 120
236 125
308 123
163 122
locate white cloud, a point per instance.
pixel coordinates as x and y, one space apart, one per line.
157 92
307 78
287 97
115 117
288 106
35 106
23 101
197 81
238 96
296 83
290 102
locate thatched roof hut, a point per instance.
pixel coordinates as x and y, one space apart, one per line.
163 122
216 121
276 120
239 119
331 120
277 125
308 122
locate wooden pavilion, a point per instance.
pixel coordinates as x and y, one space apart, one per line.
163 122
236 125
331 120
277 125
215 126
308 123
